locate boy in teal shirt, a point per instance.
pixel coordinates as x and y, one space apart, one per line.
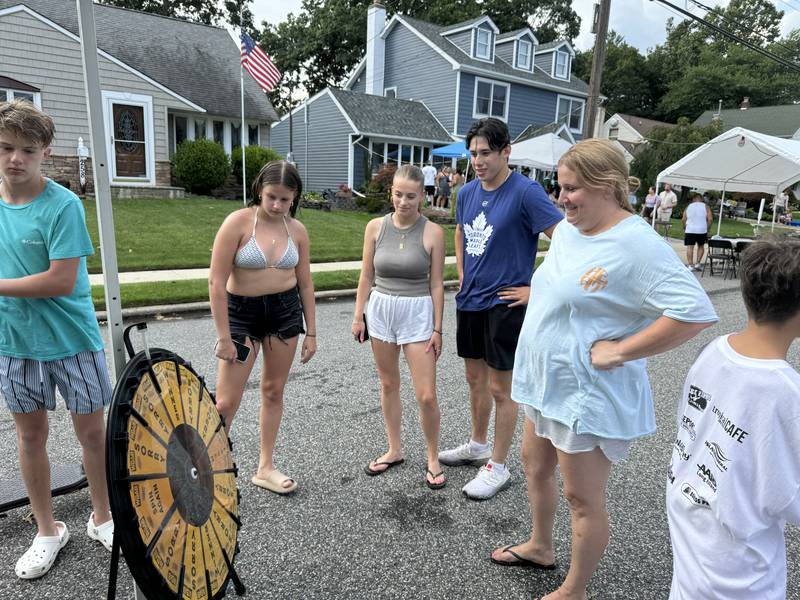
49 337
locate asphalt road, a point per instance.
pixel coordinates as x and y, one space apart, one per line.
344 535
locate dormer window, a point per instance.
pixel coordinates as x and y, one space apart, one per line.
483 44
562 65
390 92
524 54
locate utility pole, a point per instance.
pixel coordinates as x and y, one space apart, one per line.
598 58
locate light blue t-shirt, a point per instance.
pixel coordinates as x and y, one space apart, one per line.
52 226
592 288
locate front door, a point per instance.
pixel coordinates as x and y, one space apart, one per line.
129 141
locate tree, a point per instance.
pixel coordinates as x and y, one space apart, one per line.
627 82
668 145
208 12
320 46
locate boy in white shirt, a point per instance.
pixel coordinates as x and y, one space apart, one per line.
734 479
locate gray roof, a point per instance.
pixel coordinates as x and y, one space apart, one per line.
463 23
536 129
198 62
390 117
550 45
512 34
781 121
642 125
500 68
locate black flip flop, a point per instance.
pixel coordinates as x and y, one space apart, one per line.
389 465
521 561
435 486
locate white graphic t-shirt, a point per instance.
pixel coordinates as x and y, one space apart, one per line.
734 478
429 172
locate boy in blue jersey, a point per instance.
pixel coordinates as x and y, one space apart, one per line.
49 337
500 216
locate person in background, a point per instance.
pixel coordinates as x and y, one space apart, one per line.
443 181
649 204
665 203
404 258
261 291
697 219
734 479
429 172
633 186
597 310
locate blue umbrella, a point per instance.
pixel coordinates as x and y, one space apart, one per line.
454 150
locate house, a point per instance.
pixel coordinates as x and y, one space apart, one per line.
781 121
451 75
630 132
163 80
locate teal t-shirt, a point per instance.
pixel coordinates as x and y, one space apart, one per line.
50 227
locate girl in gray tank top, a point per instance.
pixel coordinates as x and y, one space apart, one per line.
404 259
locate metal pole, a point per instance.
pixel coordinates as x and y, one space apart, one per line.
721 209
102 191
598 58
241 139
102 186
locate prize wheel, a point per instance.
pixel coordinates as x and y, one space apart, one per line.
171 480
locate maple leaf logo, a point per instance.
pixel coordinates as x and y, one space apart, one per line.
477 235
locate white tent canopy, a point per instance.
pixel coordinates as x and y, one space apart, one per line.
738 160
541 152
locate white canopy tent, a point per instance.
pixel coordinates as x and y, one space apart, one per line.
541 152
738 160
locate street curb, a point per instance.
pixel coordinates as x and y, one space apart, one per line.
205 307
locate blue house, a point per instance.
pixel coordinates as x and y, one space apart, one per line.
422 85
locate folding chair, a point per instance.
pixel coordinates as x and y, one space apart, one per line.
737 253
721 251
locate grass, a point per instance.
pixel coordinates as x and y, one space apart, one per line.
196 290
154 234
730 228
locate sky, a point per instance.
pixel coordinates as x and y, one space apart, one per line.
641 22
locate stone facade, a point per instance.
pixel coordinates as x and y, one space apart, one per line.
64 170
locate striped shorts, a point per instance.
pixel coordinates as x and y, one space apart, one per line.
28 385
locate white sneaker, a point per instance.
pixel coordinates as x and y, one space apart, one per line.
464 455
698 267
487 483
102 533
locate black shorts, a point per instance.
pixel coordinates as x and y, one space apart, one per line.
430 190
691 239
490 335
258 317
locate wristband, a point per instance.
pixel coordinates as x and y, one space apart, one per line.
311 335
437 331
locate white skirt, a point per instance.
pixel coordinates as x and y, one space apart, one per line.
566 440
399 319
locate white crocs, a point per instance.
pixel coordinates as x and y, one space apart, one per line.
38 559
102 533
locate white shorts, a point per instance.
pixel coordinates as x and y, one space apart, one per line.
399 319
566 440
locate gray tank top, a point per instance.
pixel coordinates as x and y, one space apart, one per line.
402 266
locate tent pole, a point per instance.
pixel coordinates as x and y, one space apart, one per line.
721 209
655 207
774 210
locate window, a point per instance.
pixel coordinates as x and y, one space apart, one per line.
236 135
390 92
219 132
391 154
7 95
199 129
180 130
524 54
570 111
562 65
491 99
252 135
483 43
377 156
613 133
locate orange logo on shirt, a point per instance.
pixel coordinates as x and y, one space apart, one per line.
595 279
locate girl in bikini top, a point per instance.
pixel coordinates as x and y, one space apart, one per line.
251 256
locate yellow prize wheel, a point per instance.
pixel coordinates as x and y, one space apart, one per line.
171 480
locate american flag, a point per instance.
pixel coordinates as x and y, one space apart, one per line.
258 64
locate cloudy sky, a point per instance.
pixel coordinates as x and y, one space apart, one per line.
641 22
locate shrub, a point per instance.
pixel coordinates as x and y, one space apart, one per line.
378 190
201 165
257 157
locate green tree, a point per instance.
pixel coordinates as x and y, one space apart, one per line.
668 145
209 12
626 77
320 46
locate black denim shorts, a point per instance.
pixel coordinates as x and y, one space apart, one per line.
259 317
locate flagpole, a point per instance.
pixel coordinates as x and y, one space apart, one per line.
242 134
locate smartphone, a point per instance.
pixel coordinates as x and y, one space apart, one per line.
366 331
242 351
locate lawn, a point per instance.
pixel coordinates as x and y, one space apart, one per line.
157 234
196 290
730 228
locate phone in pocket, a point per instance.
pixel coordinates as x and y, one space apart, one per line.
242 351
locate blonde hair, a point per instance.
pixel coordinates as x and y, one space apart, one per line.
23 120
410 172
634 183
599 164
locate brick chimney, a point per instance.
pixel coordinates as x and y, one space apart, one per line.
745 103
376 48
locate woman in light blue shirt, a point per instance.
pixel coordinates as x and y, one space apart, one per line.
596 311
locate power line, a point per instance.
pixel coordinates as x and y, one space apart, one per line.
735 38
